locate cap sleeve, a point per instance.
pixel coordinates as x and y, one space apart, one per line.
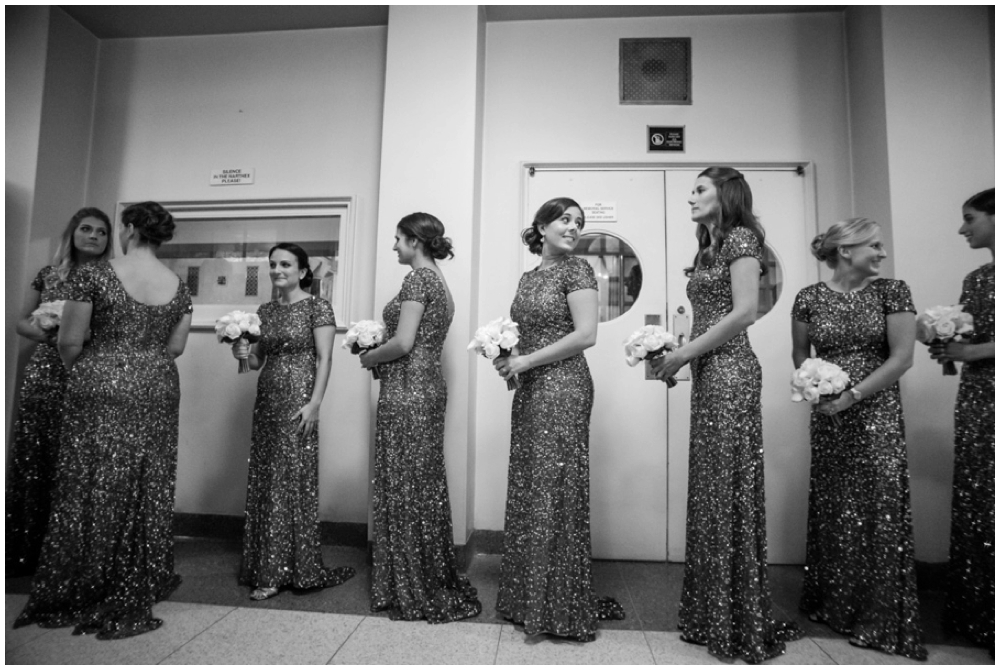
322 314
739 243
38 283
578 275
896 297
184 297
415 287
84 284
802 309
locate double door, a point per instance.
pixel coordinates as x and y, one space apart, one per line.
639 237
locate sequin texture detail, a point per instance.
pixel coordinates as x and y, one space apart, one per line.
546 582
726 600
859 575
971 605
281 544
108 555
35 443
414 570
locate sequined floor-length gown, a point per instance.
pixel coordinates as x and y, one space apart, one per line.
971 605
414 570
726 600
108 554
35 443
546 582
281 543
860 576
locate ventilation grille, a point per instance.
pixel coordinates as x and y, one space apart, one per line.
655 71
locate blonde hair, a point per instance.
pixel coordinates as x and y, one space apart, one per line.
846 233
65 258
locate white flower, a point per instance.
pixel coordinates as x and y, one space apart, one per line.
232 331
366 334
816 378
498 334
647 340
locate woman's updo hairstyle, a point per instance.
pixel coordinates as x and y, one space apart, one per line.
846 233
300 256
981 202
546 214
154 224
429 231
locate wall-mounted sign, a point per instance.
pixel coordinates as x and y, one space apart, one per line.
600 212
665 138
231 176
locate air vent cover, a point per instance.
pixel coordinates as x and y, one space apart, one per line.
655 71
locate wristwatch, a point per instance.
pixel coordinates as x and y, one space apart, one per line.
855 393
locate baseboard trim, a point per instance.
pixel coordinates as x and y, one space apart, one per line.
227 527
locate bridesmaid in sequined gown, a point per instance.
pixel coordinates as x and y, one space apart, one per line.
546 582
970 608
860 577
108 553
726 599
414 571
281 544
35 443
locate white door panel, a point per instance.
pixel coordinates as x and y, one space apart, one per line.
636 427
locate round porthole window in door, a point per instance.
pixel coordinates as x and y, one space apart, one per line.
618 272
771 283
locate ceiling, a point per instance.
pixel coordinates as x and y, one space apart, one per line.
115 21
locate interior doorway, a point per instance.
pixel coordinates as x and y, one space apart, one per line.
639 237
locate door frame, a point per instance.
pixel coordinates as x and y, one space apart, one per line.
805 169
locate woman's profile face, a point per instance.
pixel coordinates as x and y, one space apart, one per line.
405 247
704 201
284 269
559 236
90 238
977 228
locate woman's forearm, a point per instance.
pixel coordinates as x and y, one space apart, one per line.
569 345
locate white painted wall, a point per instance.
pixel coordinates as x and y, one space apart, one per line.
304 109
765 88
941 149
48 147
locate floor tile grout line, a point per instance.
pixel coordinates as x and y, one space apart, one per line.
198 634
825 652
349 635
496 654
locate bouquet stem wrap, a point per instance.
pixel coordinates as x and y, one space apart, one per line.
514 382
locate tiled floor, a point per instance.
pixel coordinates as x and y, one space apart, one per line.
209 620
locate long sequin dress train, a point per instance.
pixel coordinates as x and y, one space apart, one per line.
546 582
860 576
281 543
35 443
414 570
108 554
726 600
971 605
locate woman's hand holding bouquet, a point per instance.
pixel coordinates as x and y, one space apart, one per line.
817 380
241 329
496 340
939 326
364 336
650 342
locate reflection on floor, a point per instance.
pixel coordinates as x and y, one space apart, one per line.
210 620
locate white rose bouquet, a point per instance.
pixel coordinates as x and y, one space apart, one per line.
363 336
944 324
238 325
48 316
497 339
650 342
816 379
